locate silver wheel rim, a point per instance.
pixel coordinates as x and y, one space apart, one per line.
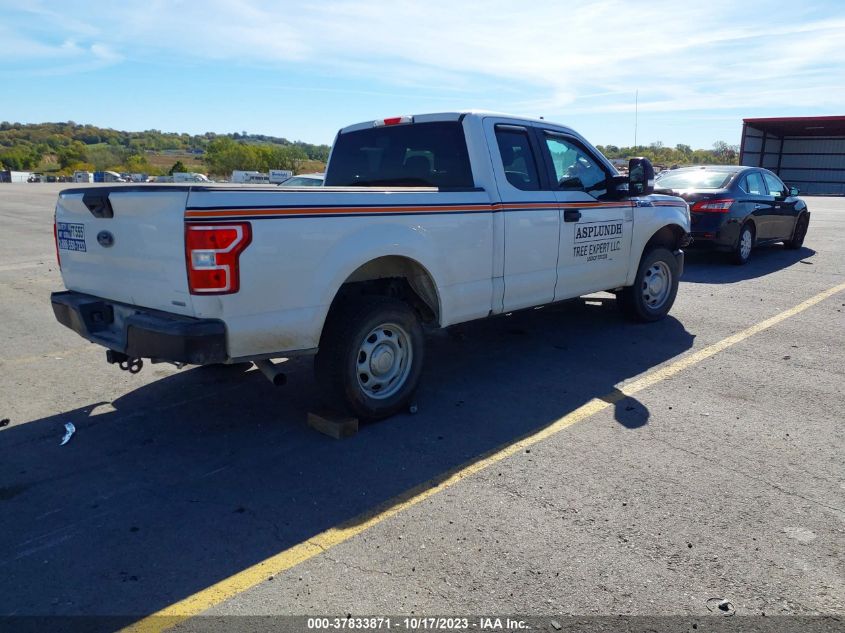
384 361
745 244
657 283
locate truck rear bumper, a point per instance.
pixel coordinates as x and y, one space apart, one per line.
141 332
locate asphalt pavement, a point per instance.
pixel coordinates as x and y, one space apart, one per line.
722 477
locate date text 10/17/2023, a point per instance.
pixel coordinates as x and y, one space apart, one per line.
418 623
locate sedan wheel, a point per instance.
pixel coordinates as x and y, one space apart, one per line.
742 253
801 227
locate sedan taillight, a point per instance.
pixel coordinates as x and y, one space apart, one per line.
211 255
712 206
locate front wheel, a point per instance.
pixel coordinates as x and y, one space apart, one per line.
655 287
370 357
799 234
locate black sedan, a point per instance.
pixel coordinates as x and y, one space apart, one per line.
737 208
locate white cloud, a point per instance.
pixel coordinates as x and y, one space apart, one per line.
544 56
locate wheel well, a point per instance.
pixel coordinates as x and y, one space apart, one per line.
670 236
394 276
753 226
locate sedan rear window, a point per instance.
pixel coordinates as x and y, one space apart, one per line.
412 155
693 179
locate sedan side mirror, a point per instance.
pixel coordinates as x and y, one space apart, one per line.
794 191
640 177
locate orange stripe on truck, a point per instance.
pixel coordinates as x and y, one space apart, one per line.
406 209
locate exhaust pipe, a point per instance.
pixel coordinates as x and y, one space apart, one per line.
273 373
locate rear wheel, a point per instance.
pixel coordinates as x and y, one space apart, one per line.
742 252
801 226
370 357
655 287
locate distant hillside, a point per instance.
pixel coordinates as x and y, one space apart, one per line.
62 148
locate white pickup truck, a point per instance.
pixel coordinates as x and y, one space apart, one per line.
425 221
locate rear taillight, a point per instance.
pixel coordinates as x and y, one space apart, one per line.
712 206
211 255
56 241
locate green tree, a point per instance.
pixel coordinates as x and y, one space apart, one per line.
72 153
138 164
19 158
178 167
725 153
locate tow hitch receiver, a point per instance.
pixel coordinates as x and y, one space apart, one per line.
132 365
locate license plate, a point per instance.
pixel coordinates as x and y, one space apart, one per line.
71 236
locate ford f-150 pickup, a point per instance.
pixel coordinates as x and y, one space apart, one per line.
425 221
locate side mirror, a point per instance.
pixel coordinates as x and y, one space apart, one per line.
794 191
640 177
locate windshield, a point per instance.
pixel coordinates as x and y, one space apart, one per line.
412 155
693 179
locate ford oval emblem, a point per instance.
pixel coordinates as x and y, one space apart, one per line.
105 239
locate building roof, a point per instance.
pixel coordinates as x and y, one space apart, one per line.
801 125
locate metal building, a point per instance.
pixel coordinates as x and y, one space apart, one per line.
807 152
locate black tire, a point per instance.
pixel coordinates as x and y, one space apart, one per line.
635 300
741 254
349 378
800 232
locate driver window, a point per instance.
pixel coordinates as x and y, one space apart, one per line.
575 169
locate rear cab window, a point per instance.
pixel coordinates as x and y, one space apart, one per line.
518 160
432 154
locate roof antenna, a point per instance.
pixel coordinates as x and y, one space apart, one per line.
636 115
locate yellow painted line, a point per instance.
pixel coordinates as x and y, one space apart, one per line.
251 576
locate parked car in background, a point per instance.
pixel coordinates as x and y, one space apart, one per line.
189 176
735 208
304 180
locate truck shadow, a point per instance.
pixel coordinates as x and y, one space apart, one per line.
711 267
194 477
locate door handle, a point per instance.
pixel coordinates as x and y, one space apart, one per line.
757 207
571 215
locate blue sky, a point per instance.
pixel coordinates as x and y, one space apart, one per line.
302 70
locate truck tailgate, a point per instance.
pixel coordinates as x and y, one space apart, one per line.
125 244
